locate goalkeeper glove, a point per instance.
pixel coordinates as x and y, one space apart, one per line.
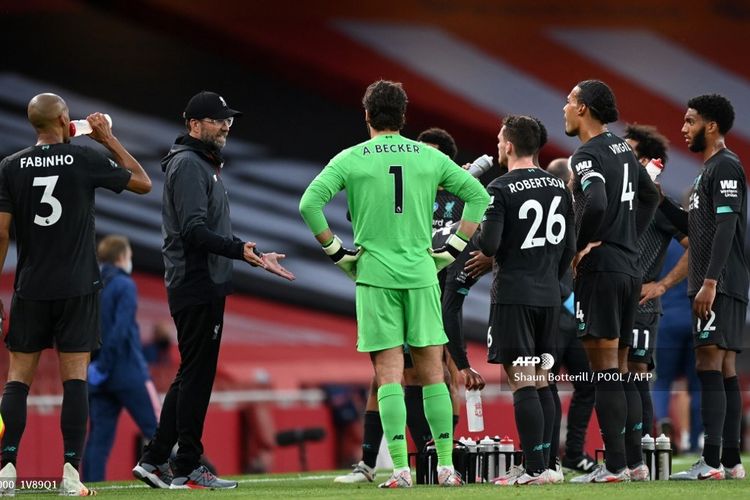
448 253
343 257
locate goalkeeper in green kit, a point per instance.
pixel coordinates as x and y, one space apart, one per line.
390 182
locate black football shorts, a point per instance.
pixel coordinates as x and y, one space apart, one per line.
519 330
606 305
725 326
644 339
70 325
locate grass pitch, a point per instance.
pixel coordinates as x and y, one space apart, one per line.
320 485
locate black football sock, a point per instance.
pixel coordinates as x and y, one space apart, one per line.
713 411
644 388
730 451
530 424
456 419
73 419
554 448
633 423
373 437
548 410
415 419
611 410
13 410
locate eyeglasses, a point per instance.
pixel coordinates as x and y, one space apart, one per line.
228 121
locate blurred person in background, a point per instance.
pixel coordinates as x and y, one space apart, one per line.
118 375
158 350
47 193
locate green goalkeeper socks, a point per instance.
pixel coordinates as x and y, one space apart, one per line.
393 416
439 413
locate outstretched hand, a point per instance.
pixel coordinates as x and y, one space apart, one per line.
271 264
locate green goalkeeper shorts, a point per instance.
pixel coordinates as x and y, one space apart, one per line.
391 317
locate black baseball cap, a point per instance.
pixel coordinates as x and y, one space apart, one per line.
207 104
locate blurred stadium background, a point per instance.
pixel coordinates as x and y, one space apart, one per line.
298 70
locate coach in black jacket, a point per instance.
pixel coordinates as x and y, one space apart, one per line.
198 251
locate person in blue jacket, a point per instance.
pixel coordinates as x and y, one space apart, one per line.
118 375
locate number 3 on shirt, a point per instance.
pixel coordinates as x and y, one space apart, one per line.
49 186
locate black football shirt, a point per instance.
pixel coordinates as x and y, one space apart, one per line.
609 159
535 209
49 191
719 188
653 245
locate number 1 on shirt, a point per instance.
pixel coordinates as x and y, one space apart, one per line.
398 186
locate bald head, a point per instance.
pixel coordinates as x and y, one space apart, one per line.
559 168
45 110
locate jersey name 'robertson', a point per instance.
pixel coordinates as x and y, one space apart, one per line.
535 183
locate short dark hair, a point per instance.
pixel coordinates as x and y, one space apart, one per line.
523 133
714 108
600 100
542 132
440 138
385 103
651 144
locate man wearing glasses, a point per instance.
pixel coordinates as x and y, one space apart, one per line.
199 249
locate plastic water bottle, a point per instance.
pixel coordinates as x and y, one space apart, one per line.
83 127
480 165
649 456
487 446
506 449
663 457
654 168
473 475
474 411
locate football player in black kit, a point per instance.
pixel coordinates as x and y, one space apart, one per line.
528 227
650 148
615 201
47 194
717 282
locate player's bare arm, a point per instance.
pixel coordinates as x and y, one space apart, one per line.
140 182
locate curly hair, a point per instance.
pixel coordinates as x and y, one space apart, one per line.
600 100
714 108
523 133
385 103
440 138
651 144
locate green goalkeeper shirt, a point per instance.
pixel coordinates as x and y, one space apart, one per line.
390 184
